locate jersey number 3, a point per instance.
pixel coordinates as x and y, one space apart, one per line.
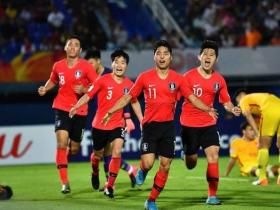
109 94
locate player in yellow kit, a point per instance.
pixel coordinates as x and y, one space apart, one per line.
266 106
244 150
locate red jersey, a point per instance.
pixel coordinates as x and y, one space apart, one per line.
108 93
160 94
205 90
82 73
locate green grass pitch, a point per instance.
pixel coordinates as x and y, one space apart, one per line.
37 187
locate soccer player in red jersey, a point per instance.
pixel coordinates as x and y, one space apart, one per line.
160 86
109 88
72 74
94 57
198 128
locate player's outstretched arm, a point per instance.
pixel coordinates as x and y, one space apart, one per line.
42 90
85 99
235 110
200 105
230 166
121 103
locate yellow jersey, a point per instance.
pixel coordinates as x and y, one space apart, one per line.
267 106
246 153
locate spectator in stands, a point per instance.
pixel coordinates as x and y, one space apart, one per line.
55 18
27 47
275 40
253 37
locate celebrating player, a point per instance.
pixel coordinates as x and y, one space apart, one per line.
109 88
198 128
160 86
72 74
94 57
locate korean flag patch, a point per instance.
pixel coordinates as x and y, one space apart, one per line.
78 74
172 86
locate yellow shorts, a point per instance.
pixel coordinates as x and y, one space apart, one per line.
270 119
245 170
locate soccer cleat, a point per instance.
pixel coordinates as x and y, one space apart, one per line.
150 205
132 175
95 181
262 182
140 177
65 188
109 192
213 200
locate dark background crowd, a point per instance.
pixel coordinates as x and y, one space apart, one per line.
42 25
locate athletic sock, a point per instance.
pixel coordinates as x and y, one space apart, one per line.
107 160
125 166
94 164
263 157
114 168
62 164
159 183
212 176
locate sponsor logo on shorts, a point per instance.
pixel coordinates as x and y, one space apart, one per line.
58 123
145 147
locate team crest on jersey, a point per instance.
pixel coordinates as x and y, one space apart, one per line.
172 86
216 86
78 74
125 90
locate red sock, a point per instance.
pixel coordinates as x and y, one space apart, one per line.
159 183
62 164
94 163
212 178
114 168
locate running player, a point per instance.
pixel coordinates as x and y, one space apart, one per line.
72 74
94 57
198 128
109 88
160 86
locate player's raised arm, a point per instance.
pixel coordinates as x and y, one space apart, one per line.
121 103
42 90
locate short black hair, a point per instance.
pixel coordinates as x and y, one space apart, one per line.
120 53
93 54
238 91
162 43
210 44
244 125
74 36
